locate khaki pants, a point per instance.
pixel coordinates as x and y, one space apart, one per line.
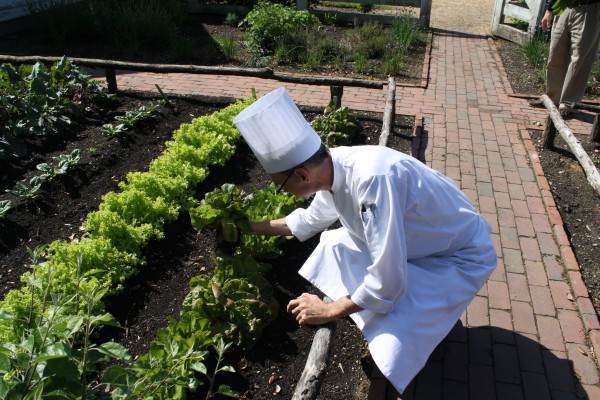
573 47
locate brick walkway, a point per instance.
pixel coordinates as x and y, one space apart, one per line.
532 332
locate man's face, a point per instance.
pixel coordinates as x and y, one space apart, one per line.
296 183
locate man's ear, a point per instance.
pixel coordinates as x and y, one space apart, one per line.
304 173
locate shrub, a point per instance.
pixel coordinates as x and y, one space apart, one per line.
268 22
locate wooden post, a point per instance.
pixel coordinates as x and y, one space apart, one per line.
425 14
596 129
310 380
389 112
336 95
111 80
549 134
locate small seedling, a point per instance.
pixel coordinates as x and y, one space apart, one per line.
5 207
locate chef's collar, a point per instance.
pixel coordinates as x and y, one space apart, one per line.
338 173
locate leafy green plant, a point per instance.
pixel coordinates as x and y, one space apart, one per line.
105 261
27 192
237 300
5 207
55 352
336 127
263 205
65 161
129 120
268 22
224 209
37 100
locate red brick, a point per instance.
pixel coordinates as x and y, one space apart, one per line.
510 239
577 284
517 193
536 274
554 269
530 249
561 236
506 217
571 325
513 261
520 208
535 386
550 333
568 257
478 313
536 205
558 370
542 301
548 244
584 365
525 227
517 287
594 336
499 273
561 294
588 314
523 318
498 295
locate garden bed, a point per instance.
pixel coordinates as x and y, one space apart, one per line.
198 44
274 365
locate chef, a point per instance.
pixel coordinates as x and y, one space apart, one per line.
412 251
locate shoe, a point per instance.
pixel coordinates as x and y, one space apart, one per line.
536 103
564 112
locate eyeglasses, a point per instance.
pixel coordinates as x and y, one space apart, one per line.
280 188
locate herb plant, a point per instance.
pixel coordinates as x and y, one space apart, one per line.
336 127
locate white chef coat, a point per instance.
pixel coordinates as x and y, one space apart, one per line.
412 252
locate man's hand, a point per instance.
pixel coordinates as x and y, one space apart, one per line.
309 309
547 21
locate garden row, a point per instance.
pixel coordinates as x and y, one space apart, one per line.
48 325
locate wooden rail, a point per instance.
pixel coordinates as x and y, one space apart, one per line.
111 66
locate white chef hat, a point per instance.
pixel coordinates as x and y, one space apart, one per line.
277 132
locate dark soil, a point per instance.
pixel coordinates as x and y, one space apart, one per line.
576 200
274 365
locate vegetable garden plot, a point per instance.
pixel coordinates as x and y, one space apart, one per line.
175 242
